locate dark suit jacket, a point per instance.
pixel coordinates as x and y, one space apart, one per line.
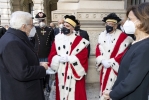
2 31
133 76
20 71
56 31
85 35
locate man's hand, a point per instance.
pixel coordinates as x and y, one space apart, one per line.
106 94
105 63
44 64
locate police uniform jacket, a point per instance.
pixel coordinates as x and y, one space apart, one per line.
43 41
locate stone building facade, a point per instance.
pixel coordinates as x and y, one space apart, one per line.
89 12
32 6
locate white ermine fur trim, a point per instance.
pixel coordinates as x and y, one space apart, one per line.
125 44
55 63
82 44
77 66
98 60
114 64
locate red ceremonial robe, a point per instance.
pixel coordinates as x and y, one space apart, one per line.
70 77
112 52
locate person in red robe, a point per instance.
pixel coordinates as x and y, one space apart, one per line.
69 59
112 44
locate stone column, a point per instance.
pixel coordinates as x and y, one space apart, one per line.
38 7
5 6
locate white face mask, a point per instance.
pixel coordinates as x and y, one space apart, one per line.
32 32
129 27
61 26
42 24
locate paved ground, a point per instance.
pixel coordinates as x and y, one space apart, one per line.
92 91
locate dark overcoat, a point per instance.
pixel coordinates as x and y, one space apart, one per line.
2 31
56 31
133 77
85 35
19 67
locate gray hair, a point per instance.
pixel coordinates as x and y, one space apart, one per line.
20 18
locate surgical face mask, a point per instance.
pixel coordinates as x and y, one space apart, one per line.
32 32
129 27
109 28
66 31
42 24
61 26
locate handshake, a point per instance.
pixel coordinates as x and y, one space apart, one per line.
62 59
46 66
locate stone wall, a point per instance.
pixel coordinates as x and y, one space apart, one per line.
5 10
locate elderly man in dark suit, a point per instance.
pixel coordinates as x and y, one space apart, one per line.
21 72
83 34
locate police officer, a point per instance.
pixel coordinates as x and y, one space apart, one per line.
43 40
